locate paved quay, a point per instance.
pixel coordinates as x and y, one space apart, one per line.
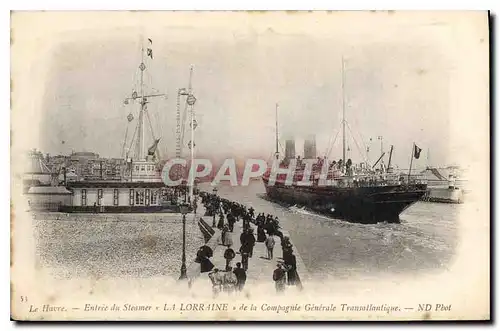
260 269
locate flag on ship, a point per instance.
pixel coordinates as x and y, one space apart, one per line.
150 50
152 149
417 151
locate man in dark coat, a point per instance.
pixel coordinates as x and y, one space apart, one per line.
220 225
241 276
243 237
230 221
291 266
279 278
250 239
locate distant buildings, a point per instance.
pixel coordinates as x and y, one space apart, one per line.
85 166
86 182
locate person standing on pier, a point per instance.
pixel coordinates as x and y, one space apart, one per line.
261 234
229 256
220 225
230 221
245 249
195 205
244 258
251 212
279 278
246 222
276 224
286 245
291 266
203 258
269 242
225 238
251 242
241 276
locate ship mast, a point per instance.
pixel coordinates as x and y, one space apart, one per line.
190 102
343 114
277 135
140 141
143 100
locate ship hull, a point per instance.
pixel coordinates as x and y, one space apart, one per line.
357 204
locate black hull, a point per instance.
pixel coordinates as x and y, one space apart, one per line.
371 204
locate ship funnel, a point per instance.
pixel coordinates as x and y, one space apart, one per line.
310 147
290 149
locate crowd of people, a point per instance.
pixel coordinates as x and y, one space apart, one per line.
226 214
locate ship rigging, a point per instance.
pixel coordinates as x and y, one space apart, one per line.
341 188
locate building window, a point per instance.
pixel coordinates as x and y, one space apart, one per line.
115 197
142 168
131 197
139 197
136 168
84 197
99 196
147 196
154 197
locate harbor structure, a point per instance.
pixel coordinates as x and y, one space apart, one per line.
131 184
442 188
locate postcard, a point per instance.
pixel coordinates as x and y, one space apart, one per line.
250 166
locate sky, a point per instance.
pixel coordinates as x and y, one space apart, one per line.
397 84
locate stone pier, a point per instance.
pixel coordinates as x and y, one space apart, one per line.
260 269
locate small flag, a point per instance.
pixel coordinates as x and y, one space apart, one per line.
417 151
195 124
152 149
150 41
150 53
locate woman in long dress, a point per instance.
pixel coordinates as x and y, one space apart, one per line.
261 234
227 238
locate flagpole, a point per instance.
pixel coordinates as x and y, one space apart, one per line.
191 185
411 161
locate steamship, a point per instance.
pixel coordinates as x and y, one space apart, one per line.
358 193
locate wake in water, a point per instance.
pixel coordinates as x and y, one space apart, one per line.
304 211
425 239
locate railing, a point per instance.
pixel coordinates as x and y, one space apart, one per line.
335 178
